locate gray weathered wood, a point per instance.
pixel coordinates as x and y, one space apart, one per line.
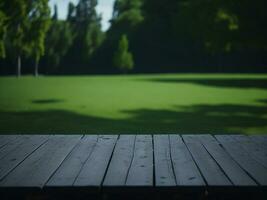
186 171
35 161
39 166
72 165
121 161
141 170
255 169
260 141
13 158
164 175
211 171
94 169
258 153
14 144
235 173
5 139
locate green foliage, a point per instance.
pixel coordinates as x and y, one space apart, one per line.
18 24
123 59
127 12
121 6
58 43
131 18
93 39
86 25
2 33
219 26
86 11
39 18
165 36
76 39
27 24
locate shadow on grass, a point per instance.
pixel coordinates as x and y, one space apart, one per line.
47 101
232 83
193 119
263 101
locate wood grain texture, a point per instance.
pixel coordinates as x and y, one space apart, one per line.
141 170
260 141
164 174
243 158
5 139
39 166
94 169
22 151
12 145
211 171
72 165
132 162
230 167
121 161
256 151
186 171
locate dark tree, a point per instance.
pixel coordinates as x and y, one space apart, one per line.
86 25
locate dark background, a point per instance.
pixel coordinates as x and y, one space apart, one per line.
164 36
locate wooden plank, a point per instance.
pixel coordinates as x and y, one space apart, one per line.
255 169
212 173
186 171
94 169
121 161
164 175
5 139
258 153
72 165
39 166
262 138
260 141
13 158
234 172
141 170
13 145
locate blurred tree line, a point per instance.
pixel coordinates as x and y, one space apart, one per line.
145 36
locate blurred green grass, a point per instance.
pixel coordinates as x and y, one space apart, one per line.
169 103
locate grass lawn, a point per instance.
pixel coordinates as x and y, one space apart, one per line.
185 103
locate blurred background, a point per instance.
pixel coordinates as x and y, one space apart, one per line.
82 36
133 66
